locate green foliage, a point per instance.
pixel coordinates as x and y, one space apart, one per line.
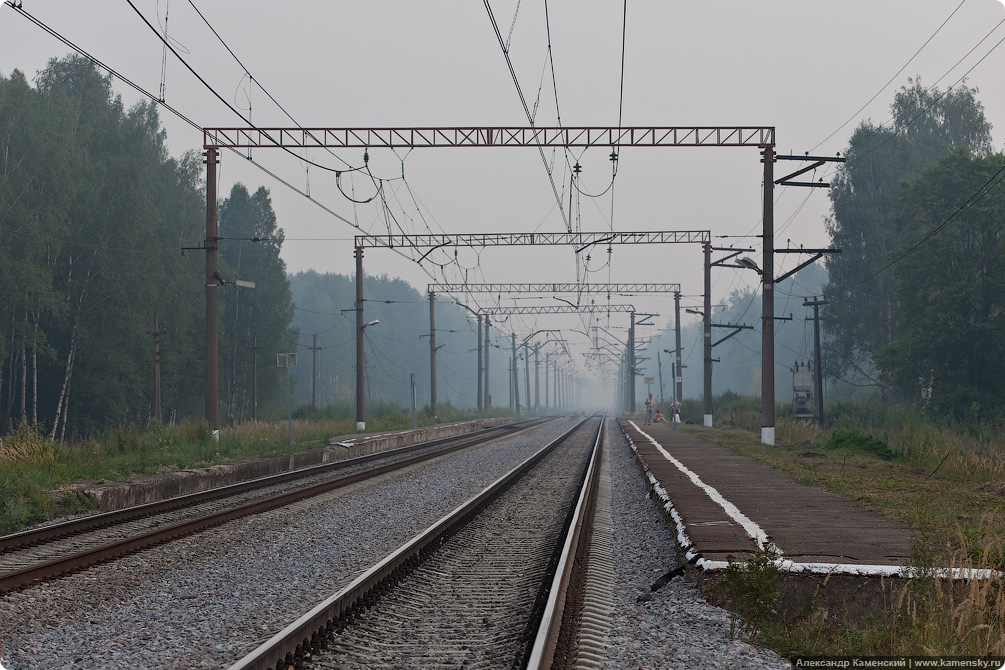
750 590
949 350
95 213
855 441
252 316
395 348
865 199
739 367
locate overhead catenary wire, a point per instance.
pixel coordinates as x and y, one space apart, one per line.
897 74
256 307
526 109
139 89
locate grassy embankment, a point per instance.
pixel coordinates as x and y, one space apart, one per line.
39 479
948 483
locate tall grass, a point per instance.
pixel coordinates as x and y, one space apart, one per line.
950 608
38 478
26 446
944 478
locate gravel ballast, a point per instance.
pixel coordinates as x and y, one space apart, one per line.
672 627
203 601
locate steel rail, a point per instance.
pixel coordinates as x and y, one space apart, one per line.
85 524
308 630
549 630
74 562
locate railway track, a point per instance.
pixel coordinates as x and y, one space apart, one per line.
484 587
60 549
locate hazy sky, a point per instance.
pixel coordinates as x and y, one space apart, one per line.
813 70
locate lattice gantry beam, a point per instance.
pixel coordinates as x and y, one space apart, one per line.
570 287
578 239
414 138
558 309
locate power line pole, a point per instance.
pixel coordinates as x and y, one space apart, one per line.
488 348
547 362
254 376
478 361
659 368
212 308
537 377
707 334
631 364
157 332
818 377
516 378
768 300
678 376
432 352
526 373
314 373
360 369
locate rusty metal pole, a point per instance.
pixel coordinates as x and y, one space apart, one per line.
768 302
212 307
360 391
478 362
432 352
707 331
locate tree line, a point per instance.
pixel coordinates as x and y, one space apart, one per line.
916 307
94 214
395 349
916 302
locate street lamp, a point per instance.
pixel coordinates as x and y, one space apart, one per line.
750 264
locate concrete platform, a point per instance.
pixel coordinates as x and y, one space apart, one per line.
118 495
723 505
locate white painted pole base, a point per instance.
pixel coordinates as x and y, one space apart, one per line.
708 420
768 435
216 434
361 425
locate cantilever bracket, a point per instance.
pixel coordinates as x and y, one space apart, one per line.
818 161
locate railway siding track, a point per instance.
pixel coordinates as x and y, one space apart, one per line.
475 589
60 549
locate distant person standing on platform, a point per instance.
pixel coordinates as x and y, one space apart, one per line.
650 403
676 407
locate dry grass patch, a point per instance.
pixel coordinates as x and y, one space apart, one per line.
26 448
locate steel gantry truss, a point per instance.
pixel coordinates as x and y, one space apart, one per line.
580 240
489 312
555 287
579 289
415 138
577 239
292 139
